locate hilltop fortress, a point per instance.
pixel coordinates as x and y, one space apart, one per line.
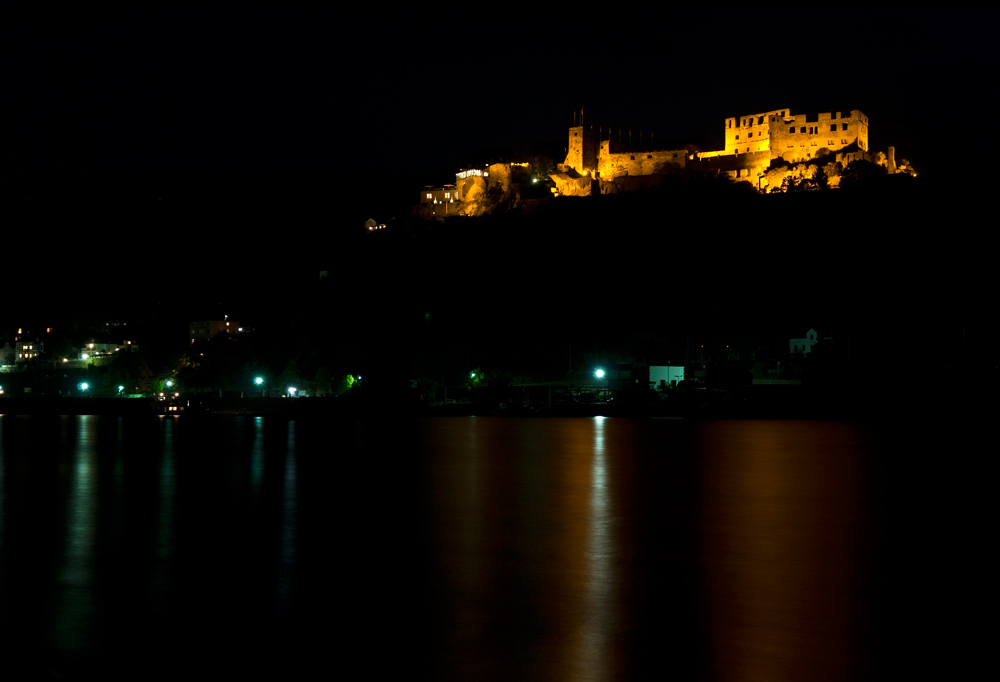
752 142
597 164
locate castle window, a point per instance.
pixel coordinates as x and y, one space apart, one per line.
843 126
737 137
782 114
750 135
833 127
792 129
632 158
649 156
760 120
802 129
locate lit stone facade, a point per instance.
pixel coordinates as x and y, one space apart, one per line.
752 142
581 154
803 137
614 160
609 159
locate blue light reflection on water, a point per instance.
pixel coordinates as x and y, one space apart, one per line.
481 548
75 597
3 468
257 455
136 540
289 523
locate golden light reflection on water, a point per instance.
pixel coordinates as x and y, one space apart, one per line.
536 537
601 580
781 516
591 549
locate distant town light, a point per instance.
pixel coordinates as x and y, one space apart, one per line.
84 386
291 390
599 374
258 380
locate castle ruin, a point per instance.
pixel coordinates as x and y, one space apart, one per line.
752 143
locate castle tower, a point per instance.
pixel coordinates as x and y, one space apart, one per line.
892 160
581 154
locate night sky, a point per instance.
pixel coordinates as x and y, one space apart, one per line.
237 92
237 139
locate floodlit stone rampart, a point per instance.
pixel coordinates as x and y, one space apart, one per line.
752 142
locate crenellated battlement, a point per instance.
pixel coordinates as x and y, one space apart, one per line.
752 142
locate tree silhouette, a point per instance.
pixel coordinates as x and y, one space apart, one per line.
859 173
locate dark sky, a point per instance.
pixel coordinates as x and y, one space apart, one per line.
118 126
235 92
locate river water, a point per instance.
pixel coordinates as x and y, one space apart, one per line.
483 548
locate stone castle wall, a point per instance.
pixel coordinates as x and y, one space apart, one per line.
737 166
612 165
581 154
751 143
751 133
801 137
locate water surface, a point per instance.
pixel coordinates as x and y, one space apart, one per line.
476 548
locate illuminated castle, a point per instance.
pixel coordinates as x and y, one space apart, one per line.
752 143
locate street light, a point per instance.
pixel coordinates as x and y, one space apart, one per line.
600 375
291 391
84 386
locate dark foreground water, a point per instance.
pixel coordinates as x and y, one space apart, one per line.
491 549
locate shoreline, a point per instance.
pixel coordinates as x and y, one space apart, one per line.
754 405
